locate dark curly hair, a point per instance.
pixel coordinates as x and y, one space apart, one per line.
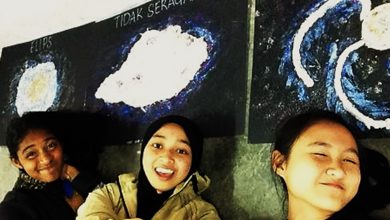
18 128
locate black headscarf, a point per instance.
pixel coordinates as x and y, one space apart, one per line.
149 201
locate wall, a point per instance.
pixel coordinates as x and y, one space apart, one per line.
242 186
8 173
22 21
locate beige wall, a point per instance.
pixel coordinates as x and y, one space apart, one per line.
8 172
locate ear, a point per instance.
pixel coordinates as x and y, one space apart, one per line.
16 163
278 163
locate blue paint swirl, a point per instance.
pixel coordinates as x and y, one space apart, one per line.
320 51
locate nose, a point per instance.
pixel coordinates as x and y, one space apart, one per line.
166 157
45 157
335 170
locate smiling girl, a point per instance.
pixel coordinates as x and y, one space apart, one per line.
47 187
168 185
318 161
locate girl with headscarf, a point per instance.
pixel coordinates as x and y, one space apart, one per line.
168 185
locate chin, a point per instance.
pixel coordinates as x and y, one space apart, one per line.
331 206
50 178
162 188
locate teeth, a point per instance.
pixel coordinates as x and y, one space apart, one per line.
164 170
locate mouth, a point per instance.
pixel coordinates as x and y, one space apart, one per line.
48 168
164 173
334 185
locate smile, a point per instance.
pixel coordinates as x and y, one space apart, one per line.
334 185
163 170
49 168
164 173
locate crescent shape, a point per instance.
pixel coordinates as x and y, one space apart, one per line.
306 25
348 105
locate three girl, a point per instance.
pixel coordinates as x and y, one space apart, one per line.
315 154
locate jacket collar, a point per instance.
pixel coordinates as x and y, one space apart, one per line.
203 182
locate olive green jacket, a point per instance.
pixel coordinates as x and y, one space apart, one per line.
106 203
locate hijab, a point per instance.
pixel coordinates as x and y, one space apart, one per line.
149 201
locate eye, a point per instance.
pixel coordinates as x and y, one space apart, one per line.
320 154
52 145
182 151
30 155
352 161
156 145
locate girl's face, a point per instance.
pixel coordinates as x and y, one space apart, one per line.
167 157
322 171
40 155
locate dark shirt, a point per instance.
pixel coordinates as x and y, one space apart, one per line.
46 203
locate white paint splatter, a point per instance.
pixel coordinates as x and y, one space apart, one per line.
376 28
348 105
375 34
37 88
305 27
158 67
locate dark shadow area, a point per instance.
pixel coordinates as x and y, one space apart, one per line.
376 184
219 160
374 191
119 159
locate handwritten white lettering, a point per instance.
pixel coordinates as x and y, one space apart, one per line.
163 5
128 18
40 44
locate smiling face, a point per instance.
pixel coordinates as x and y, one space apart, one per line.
40 155
167 157
322 171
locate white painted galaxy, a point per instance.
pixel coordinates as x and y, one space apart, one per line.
375 35
37 88
159 65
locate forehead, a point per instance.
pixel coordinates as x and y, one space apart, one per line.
34 136
328 132
38 132
171 130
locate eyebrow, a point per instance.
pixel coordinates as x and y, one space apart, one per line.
32 145
163 137
324 144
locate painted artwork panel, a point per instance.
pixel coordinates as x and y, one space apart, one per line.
44 74
173 57
321 54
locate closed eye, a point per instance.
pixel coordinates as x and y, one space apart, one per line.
320 154
350 161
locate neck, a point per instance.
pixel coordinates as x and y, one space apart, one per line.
299 210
